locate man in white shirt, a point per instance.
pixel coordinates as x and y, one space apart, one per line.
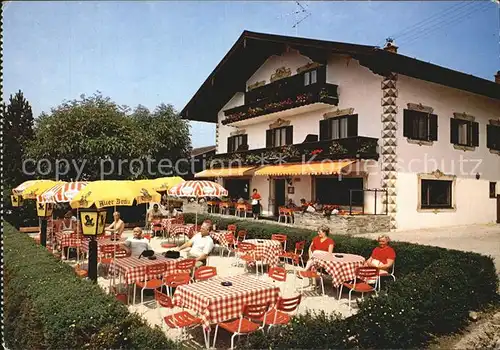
201 244
137 244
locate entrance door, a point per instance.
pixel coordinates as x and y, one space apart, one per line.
279 194
498 209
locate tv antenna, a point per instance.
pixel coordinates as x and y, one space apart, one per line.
301 13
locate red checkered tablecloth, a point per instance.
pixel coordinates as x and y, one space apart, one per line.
179 229
64 239
133 269
216 303
219 236
100 243
341 269
267 249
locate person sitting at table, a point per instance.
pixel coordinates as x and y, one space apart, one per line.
154 213
383 256
69 222
241 201
137 244
117 226
172 212
319 243
201 244
291 204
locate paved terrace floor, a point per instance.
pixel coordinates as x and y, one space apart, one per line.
483 239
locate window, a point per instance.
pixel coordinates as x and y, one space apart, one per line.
237 188
493 190
464 132
493 137
436 194
238 142
310 77
332 190
338 128
419 125
279 136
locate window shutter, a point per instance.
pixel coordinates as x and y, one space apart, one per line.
324 129
269 138
408 123
230 145
474 134
454 131
433 127
244 139
352 125
289 135
490 134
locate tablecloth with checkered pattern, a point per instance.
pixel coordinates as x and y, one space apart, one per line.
100 243
341 269
133 269
216 303
267 250
64 240
182 229
219 236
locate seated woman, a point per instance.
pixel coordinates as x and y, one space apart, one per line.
320 243
69 222
382 256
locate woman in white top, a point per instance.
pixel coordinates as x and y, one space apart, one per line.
69 222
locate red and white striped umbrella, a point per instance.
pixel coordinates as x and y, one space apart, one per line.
62 193
198 188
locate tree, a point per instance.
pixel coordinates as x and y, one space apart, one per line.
18 131
167 136
87 139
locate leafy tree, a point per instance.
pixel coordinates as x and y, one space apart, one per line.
89 139
166 137
17 131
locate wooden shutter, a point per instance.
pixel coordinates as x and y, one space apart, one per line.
474 129
230 145
244 139
433 127
352 125
269 138
289 135
324 129
454 130
408 117
490 136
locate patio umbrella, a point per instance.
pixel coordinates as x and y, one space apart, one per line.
198 189
160 184
62 193
32 188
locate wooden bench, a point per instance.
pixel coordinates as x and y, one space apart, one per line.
34 229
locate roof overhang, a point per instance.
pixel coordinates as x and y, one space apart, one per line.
252 49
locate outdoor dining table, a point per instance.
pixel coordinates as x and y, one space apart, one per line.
188 230
219 236
65 239
132 269
216 303
342 267
267 250
101 242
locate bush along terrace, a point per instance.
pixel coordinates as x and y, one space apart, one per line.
434 291
48 307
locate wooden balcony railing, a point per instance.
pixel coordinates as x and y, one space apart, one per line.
358 147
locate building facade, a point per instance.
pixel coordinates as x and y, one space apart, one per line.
359 127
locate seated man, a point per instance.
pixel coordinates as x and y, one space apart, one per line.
291 204
154 213
172 212
382 256
137 244
117 226
201 244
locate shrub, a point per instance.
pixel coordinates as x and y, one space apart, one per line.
434 291
47 306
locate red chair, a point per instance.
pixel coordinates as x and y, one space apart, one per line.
360 284
181 320
151 283
176 279
231 228
242 235
244 324
277 274
106 254
246 252
228 243
121 253
204 273
280 238
185 266
296 256
311 275
282 312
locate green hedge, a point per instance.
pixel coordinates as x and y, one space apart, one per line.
434 291
48 307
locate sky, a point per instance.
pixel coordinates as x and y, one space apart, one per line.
161 51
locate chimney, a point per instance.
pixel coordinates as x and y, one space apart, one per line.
497 77
390 45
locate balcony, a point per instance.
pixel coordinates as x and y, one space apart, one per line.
284 94
358 147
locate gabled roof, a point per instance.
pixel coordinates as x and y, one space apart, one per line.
252 49
202 150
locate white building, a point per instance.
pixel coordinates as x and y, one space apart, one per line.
428 136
